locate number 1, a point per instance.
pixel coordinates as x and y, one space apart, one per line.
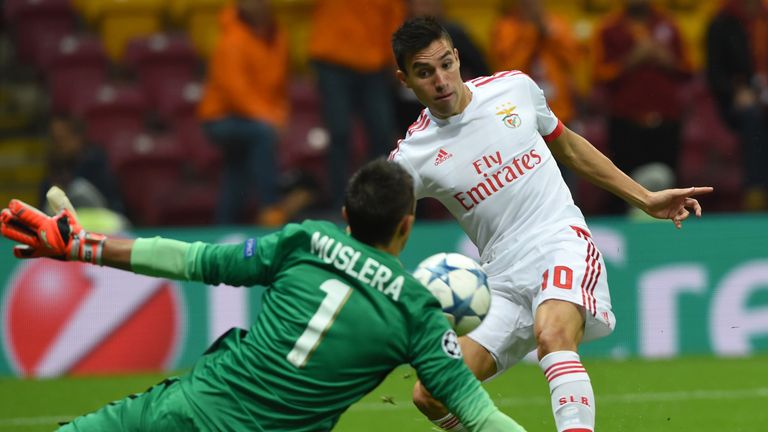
336 295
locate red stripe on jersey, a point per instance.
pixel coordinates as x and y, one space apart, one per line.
485 80
393 153
420 127
418 122
555 133
561 364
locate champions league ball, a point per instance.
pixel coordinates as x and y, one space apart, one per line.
461 286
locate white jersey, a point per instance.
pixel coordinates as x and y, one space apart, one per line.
491 168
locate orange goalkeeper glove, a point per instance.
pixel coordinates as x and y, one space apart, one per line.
60 237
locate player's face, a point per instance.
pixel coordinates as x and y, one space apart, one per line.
434 76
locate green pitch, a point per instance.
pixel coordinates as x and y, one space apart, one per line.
691 394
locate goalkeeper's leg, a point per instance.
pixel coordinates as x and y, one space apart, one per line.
479 361
162 407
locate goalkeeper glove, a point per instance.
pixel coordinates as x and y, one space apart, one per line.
60 237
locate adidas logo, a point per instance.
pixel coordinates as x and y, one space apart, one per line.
442 156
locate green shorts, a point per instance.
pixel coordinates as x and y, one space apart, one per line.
163 407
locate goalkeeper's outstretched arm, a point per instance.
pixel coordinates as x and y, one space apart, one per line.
61 237
117 253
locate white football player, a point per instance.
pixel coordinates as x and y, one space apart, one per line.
486 149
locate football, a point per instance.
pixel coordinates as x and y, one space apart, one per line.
461 286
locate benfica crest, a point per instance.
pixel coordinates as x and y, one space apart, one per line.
508 115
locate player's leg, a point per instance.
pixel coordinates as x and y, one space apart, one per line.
573 304
559 328
162 407
479 361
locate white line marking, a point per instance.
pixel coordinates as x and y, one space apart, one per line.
761 392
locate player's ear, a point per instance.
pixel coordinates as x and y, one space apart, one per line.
401 76
345 217
406 226
456 54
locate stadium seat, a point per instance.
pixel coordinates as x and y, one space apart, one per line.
164 62
305 142
710 153
199 19
184 203
75 71
119 21
146 165
112 111
590 198
177 100
37 27
204 156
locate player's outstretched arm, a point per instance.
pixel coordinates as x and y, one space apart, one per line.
62 237
583 158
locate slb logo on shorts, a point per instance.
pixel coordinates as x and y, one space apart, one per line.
78 319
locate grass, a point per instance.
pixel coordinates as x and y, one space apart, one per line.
691 394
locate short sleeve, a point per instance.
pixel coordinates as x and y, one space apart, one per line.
548 124
397 156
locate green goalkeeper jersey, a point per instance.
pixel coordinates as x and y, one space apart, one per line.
337 317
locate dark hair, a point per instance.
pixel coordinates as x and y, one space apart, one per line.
413 36
378 196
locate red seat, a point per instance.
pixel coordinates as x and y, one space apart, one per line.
164 63
184 203
38 26
178 101
113 111
204 156
146 166
75 72
590 198
710 153
305 143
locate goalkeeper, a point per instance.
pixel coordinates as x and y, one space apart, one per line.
339 314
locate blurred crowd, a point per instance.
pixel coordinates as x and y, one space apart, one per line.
255 111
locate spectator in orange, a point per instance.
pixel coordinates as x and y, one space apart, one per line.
643 67
737 72
349 50
244 105
541 44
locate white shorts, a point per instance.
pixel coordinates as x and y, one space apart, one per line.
567 266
